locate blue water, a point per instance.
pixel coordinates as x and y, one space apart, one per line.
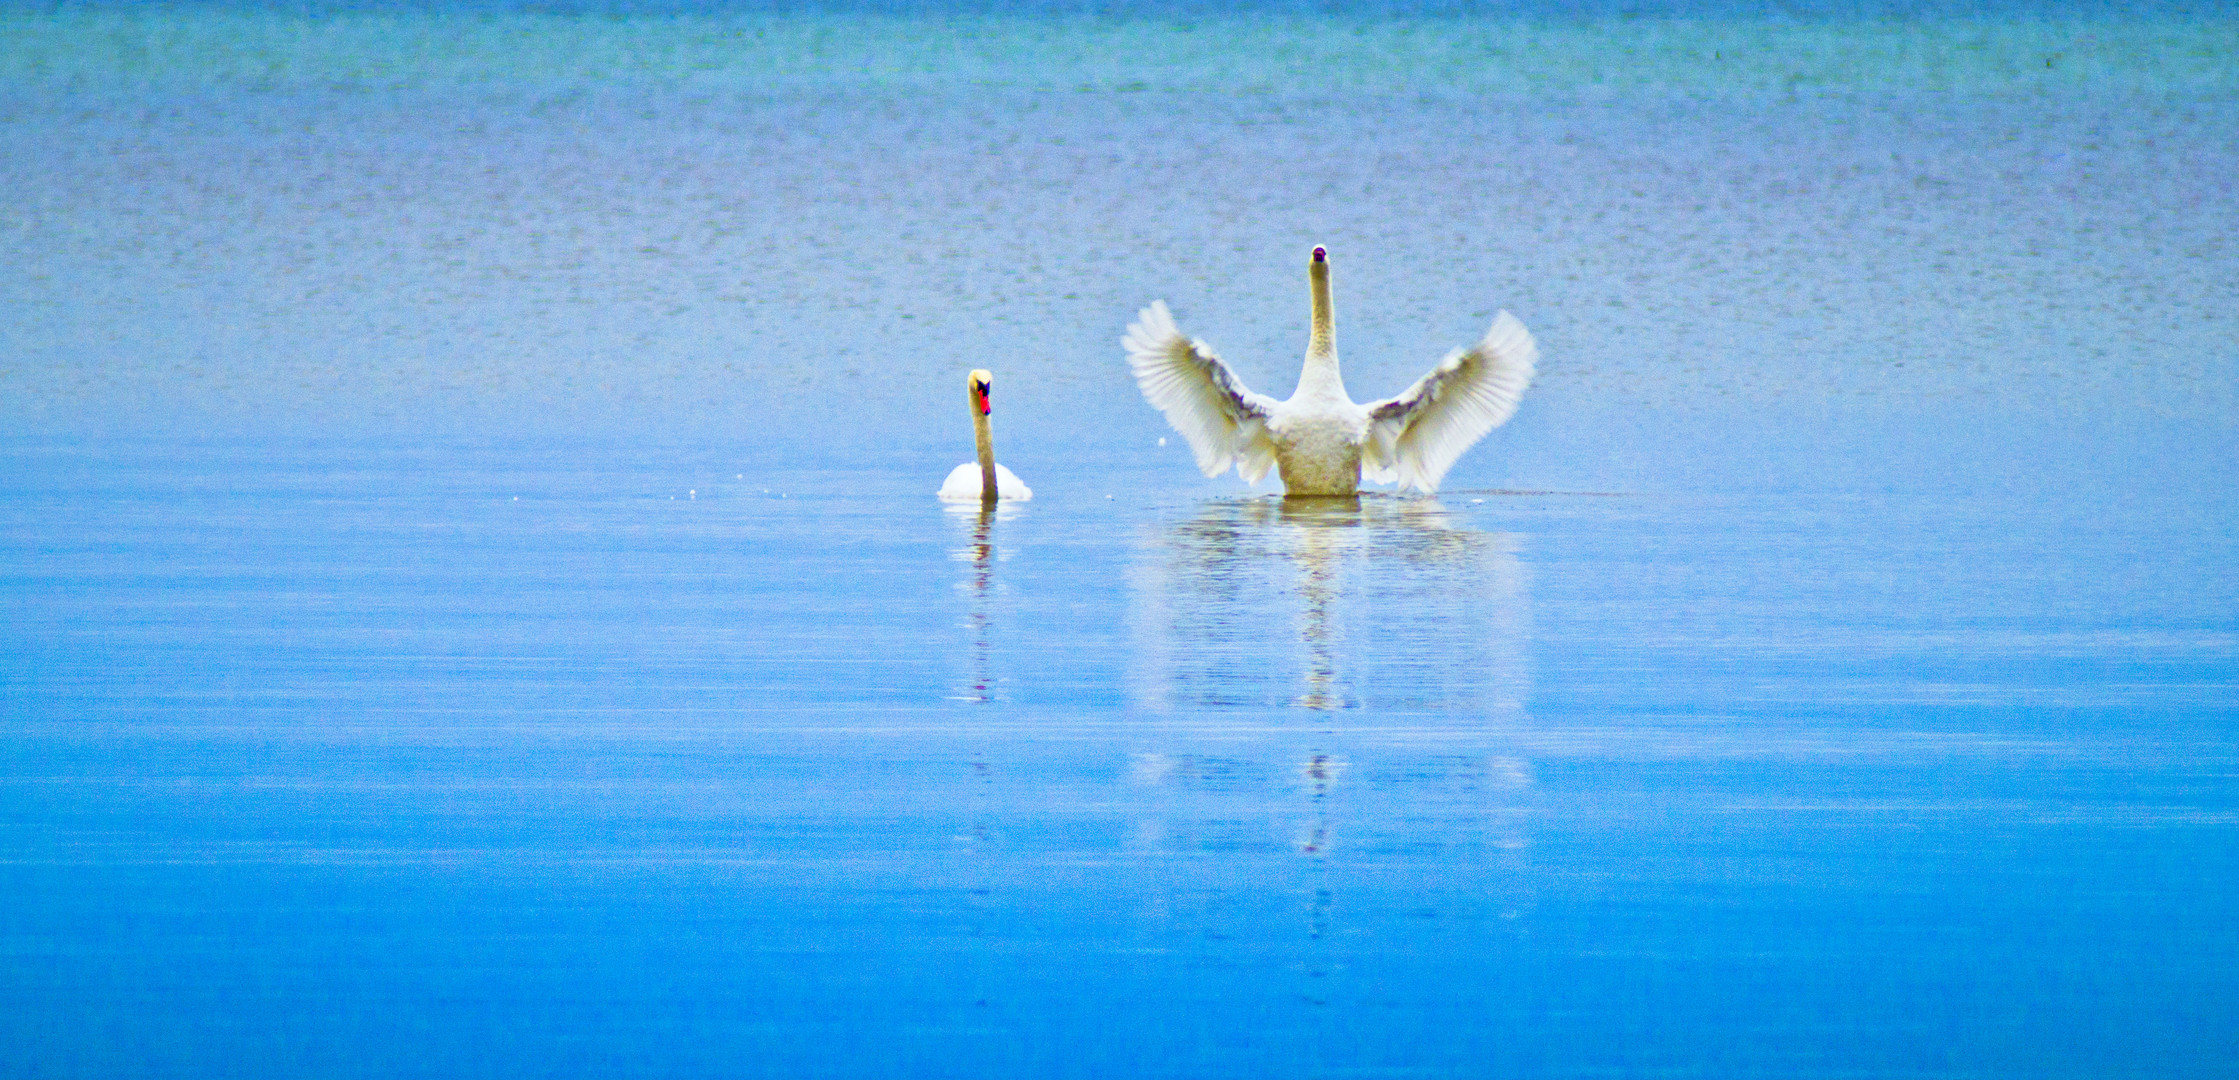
472 602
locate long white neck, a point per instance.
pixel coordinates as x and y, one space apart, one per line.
985 437
1321 376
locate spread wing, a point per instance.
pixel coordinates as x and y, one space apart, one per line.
1415 437
1225 423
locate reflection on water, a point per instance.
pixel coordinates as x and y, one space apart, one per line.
1396 630
1321 769
1389 601
979 552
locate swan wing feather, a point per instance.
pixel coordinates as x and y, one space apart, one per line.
1224 421
1415 437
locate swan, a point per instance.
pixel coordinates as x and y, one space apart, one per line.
1320 441
985 481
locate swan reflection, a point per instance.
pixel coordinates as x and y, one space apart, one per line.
1392 607
979 553
1328 604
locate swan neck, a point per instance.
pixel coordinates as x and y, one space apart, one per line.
985 438
1321 346
1324 339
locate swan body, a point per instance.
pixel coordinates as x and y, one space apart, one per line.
1319 440
963 485
984 480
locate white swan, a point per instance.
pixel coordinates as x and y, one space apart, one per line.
1321 441
985 481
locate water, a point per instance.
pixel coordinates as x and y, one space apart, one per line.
473 602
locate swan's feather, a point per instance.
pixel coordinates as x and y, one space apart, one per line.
1415 437
1225 423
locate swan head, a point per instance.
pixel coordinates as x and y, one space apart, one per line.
982 381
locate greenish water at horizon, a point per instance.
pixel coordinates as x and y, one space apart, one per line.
1247 52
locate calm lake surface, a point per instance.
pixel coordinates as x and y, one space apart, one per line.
472 601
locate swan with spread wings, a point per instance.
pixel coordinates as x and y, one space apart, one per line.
1320 441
